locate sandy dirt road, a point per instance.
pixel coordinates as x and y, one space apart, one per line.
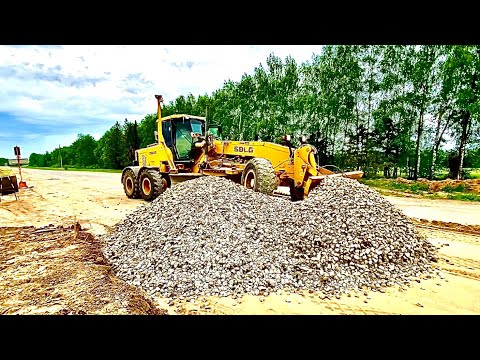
94 199
460 212
97 202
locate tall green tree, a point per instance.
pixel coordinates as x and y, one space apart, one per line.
419 72
132 140
111 149
36 160
462 69
84 148
146 130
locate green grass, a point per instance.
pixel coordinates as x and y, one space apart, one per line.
474 174
461 196
73 169
464 196
469 173
450 189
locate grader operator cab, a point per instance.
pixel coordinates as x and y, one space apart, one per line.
179 133
187 148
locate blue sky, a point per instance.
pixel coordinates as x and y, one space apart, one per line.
49 94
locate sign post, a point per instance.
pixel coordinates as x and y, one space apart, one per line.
22 184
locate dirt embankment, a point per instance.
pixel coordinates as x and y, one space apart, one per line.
470 185
56 270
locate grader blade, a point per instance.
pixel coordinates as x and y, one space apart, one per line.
177 178
350 174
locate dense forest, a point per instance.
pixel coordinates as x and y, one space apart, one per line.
395 110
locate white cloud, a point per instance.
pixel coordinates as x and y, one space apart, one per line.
77 86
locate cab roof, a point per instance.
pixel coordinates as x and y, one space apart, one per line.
179 116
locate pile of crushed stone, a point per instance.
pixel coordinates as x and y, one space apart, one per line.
211 236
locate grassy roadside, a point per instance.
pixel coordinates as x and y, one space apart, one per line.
73 169
421 189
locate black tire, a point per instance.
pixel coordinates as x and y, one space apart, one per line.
166 178
259 175
151 184
130 184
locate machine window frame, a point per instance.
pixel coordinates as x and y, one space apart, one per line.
167 132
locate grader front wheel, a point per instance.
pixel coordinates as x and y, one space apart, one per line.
259 175
152 184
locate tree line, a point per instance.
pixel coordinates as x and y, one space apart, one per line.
398 110
114 150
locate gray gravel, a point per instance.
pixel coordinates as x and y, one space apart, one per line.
210 236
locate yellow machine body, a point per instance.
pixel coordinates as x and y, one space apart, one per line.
185 150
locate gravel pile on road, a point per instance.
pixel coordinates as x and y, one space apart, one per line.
210 236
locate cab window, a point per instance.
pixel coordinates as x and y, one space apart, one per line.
183 139
197 127
167 132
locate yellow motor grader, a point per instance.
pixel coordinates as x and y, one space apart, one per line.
186 148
